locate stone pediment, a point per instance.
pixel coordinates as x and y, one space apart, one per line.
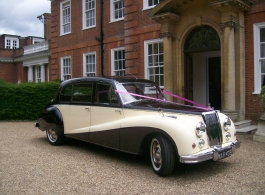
176 6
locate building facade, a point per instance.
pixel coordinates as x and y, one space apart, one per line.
25 59
209 51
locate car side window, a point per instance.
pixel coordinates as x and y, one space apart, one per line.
82 92
105 94
66 93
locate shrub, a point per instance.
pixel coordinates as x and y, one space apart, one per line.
25 101
261 96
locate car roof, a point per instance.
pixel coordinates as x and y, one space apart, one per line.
113 79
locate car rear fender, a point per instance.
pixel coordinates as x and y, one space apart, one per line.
51 118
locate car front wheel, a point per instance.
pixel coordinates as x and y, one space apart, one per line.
53 138
162 155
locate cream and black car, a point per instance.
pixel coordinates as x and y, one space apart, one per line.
132 115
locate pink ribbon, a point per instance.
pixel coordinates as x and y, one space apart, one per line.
186 100
134 94
168 93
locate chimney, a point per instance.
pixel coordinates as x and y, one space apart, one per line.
47 26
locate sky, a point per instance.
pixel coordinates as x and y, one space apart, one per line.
19 17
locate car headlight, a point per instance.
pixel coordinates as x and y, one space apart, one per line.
200 129
228 135
227 123
201 143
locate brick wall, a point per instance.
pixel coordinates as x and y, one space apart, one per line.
129 33
7 72
255 15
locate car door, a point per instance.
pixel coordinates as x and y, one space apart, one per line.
79 111
106 114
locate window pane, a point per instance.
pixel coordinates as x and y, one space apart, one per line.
262 35
66 93
151 71
262 50
262 64
150 49
153 2
162 80
90 65
66 68
82 93
118 9
150 2
156 62
155 48
90 13
161 59
119 62
66 18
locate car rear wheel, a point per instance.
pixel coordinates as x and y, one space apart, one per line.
162 155
53 138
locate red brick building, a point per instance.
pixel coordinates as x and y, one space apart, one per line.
209 51
121 36
25 59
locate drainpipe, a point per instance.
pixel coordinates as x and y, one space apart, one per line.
101 38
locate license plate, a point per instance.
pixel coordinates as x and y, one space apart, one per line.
224 153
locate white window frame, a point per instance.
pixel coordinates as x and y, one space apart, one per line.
112 11
38 73
84 14
37 40
62 5
146 6
113 70
64 68
13 41
257 58
146 58
85 72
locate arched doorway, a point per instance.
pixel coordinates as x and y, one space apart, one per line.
203 67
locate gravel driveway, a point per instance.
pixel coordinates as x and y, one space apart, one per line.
30 165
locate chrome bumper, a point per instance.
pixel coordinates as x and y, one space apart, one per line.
214 154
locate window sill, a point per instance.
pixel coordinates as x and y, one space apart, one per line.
90 27
148 8
65 34
116 20
256 93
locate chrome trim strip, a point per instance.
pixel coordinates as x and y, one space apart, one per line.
196 158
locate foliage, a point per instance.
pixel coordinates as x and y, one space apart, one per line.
262 96
25 101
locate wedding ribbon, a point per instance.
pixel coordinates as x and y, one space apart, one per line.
167 93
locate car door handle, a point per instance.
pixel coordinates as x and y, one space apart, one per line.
87 108
118 111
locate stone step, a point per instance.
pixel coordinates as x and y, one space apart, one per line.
248 129
242 124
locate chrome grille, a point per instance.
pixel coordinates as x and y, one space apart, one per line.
214 130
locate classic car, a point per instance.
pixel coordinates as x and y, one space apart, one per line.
132 115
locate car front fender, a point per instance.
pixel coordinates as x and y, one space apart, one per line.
181 132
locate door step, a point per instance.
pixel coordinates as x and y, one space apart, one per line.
245 127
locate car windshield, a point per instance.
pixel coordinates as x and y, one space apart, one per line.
139 91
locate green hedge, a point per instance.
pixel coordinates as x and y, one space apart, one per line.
25 101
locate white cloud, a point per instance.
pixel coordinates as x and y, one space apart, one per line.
19 17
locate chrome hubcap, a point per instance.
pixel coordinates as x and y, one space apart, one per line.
156 154
51 135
